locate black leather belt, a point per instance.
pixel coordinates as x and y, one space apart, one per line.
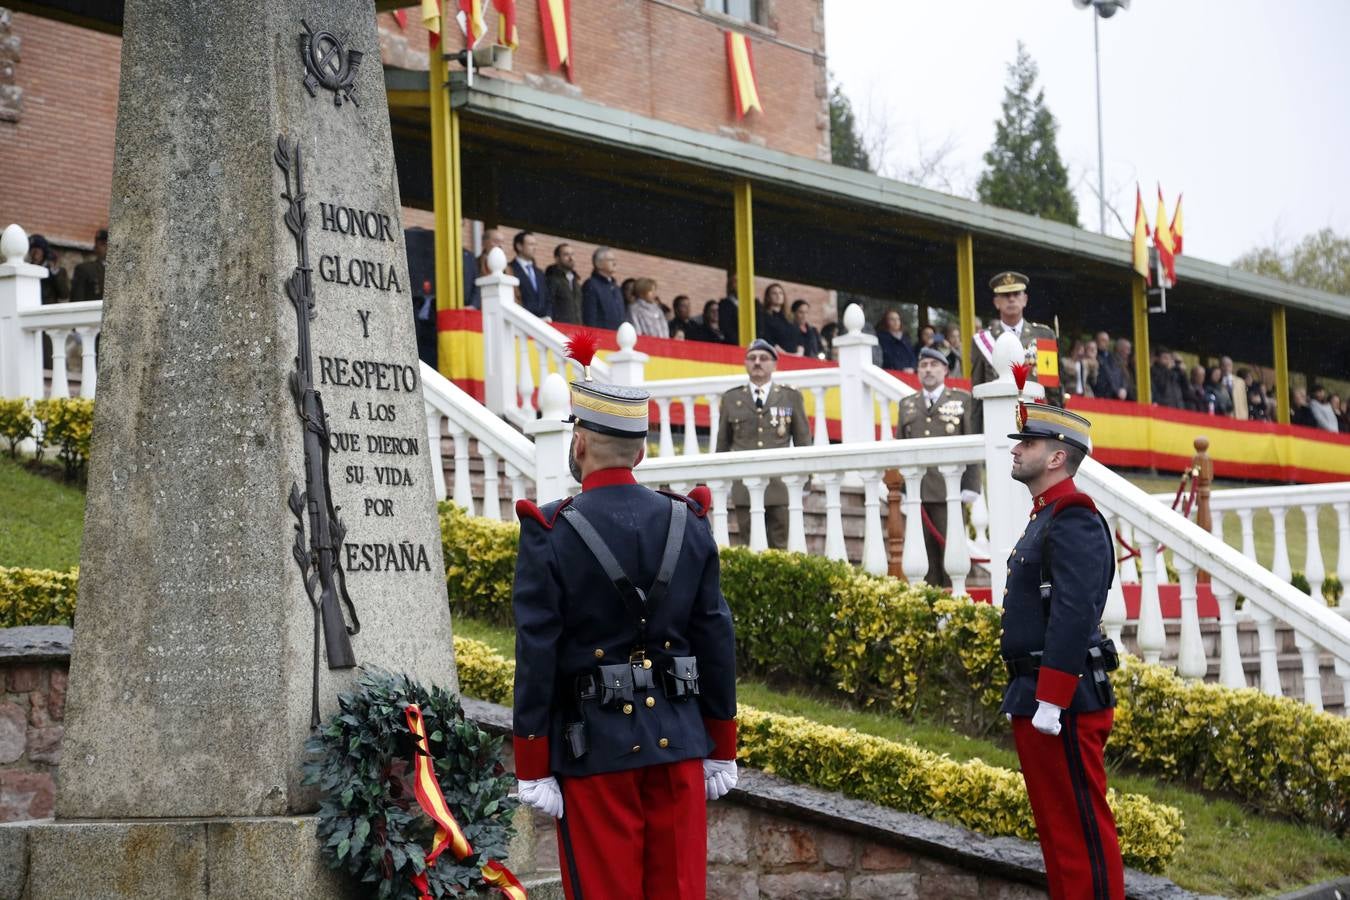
1023 665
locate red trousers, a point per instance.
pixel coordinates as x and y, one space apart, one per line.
635 835
1066 781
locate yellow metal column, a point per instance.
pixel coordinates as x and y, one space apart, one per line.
1280 335
965 292
1143 386
445 183
745 262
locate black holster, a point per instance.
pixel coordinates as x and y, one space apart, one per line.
680 678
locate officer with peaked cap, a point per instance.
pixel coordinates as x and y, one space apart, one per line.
625 687
1042 347
1059 697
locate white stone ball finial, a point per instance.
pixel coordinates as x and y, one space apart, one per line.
13 244
496 261
1008 350
554 402
627 337
853 319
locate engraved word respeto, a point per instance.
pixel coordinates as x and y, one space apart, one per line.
328 64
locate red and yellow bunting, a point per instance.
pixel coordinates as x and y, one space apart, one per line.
741 62
1162 240
556 18
507 35
1047 362
431 20
471 20
1176 228
448 833
1139 257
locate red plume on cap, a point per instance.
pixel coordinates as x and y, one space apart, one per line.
581 347
1019 374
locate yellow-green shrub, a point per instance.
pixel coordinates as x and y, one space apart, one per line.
480 564
37 597
879 641
985 798
68 425
16 422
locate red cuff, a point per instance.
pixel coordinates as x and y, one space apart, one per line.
723 733
531 757
1054 686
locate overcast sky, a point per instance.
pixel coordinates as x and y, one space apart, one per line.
1240 103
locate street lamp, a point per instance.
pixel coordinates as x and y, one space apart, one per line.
1105 9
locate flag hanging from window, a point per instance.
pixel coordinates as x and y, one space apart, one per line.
556 18
1176 228
431 20
401 17
744 91
1140 254
507 35
1162 240
471 21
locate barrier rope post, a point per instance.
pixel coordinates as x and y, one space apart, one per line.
1202 467
895 524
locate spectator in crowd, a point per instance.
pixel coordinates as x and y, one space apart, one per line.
827 335
682 327
1232 384
424 323
771 322
1168 389
1103 342
897 353
88 281
1193 391
531 292
564 286
55 288
1217 399
1338 407
493 237
710 328
1258 405
602 303
1081 370
1115 372
927 336
1301 413
645 311
802 337
953 348
1323 416
729 312
1109 381
473 299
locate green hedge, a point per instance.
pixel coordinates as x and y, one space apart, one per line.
985 798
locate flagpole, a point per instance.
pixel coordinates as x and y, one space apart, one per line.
1101 164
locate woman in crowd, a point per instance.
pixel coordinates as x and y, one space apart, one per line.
1258 405
953 348
772 324
1217 399
897 353
710 328
927 335
645 311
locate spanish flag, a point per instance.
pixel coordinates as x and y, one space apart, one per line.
1176 227
471 20
431 20
556 18
1140 254
744 92
1162 240
507 35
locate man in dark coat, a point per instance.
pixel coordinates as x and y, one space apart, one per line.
1059 696
625 687
87 284
564 286
531 293
602 303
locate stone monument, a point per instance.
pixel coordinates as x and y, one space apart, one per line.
261 515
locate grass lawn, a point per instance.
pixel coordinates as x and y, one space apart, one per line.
41 520
1227 851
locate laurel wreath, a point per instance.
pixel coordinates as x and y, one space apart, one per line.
370 822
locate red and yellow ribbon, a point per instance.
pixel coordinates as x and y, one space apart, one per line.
448 833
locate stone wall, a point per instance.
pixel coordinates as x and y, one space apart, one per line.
33 666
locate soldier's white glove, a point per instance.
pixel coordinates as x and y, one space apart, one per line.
1046 720
719 777
543 794
969 497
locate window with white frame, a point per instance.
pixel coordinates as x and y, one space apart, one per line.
747 10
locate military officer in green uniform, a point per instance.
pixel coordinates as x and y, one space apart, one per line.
1039 341
938 411
762 415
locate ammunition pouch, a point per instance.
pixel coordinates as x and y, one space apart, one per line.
574 736
680 678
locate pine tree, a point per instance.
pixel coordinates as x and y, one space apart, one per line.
1025 172
846 144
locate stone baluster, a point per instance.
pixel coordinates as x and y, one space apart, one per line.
1280 566
517 480
914 561
1343 673
854 349
463 495
956 554
835 547
89 361
666 446
541 351
434 449
1270 663
626 365
497 291
759 537
1231 673
1246 520
1114 613
887 423
1151 635
1191 662
20 290
979 520
1313 568
796 520
492 498
690 427
874 539
552 435
526 377
60 380
721 533
714 420
1310 655
1343 560
821 436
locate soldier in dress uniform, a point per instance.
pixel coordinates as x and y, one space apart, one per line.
625 691
1039 341
757 416
1059 696
938 411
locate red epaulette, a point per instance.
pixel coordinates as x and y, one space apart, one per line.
699 499
1069 501
527 509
